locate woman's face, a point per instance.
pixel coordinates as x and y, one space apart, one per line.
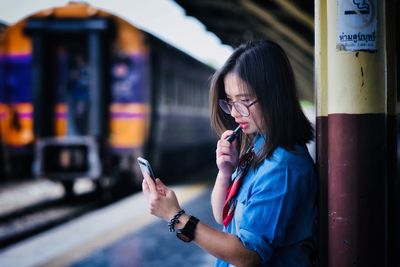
237 90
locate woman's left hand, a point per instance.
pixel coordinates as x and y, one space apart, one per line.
162 200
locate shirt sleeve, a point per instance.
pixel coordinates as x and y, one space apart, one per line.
271 201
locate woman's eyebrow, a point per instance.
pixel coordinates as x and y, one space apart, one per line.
238 95
243 95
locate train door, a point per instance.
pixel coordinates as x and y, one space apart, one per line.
70 95
68 76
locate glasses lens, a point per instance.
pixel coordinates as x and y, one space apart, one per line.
224 106
242 109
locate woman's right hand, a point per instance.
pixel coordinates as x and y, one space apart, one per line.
227 155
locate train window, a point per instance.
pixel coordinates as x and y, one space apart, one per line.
180 90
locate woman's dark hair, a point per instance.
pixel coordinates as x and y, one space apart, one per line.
265 68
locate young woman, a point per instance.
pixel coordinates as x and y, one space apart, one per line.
265 190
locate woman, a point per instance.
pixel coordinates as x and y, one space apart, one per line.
265 190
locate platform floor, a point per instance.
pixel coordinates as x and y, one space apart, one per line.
122 234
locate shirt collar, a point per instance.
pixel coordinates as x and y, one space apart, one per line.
259 141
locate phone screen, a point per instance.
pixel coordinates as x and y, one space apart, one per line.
145 167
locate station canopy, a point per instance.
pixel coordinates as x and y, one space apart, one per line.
287 22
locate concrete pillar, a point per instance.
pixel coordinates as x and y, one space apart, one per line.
355 99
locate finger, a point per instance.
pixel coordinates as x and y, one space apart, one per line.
161 188
218 144
150 183
159 182
226 143
226 134
224 151
217 150
145 187
225 159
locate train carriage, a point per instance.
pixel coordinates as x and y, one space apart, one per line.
2 155
85 93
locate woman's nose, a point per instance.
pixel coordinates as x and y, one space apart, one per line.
235 113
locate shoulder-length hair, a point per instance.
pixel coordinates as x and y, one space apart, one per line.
266 70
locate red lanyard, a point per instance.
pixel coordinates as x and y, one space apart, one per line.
233 189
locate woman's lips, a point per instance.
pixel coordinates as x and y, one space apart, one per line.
244 125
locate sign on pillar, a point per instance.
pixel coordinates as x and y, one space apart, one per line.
356 25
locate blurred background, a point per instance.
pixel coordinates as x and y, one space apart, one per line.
158 17
86 87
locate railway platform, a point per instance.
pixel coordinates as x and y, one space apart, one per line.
120 234
19 194
16 195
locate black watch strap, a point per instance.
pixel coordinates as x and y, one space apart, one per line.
186 234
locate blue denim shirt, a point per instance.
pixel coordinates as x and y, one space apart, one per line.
276 208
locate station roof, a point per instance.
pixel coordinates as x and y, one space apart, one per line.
287 22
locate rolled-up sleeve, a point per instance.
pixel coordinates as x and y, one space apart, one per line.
268 206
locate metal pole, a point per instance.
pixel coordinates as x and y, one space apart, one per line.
320 50
355 122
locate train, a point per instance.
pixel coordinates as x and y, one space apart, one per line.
84 93
3 27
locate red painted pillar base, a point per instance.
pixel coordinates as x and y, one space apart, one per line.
354 163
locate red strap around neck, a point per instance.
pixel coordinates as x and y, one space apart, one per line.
233 190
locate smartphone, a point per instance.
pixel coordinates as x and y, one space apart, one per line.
145 167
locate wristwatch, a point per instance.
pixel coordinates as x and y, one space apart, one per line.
186 234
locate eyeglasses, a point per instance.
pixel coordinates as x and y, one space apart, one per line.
240 107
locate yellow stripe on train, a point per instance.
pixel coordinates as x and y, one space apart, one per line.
61 119
128 125
16 124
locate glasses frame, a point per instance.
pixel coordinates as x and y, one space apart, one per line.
223 103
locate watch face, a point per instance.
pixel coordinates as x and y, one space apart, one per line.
186 234
183 237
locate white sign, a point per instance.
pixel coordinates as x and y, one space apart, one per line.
356 25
